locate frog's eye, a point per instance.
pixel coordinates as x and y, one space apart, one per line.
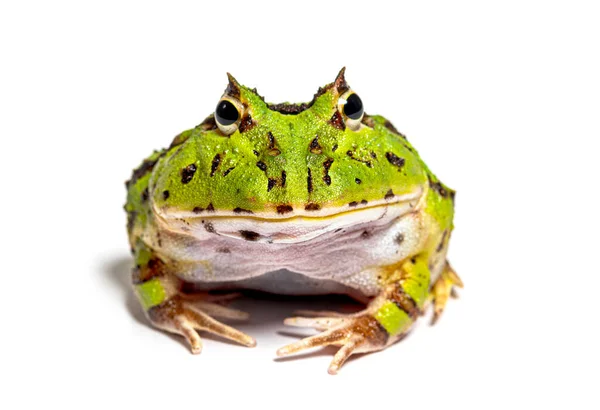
351 105
227 115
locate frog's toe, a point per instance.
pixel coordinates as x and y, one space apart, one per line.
442 289
354 333
186 318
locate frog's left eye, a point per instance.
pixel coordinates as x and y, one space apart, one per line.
227 115
351 105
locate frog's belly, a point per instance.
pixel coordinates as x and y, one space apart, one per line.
344 255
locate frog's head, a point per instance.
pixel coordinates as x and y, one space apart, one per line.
254 159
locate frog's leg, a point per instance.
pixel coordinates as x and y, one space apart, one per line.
442 289
386 319
170 309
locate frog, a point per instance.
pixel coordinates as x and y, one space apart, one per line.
314 198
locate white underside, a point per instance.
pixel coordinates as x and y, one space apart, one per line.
341 253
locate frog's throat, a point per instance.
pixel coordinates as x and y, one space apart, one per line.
273 228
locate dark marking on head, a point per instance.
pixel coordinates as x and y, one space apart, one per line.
399 238
363 202
256 153
314 146
309 181
208 124
442 241
210 208
334 148
340 82
273 150
337 121
209 227
353 203
187 173
326 166
438 187
368 121
284 209
166 195
197 210
395 160
233 87
228 171
389 194
358 181
271 183
250 235
283 178
215 164
293 109
261 165
145 194
387 124
373 155
143 169
350 153
246 124
312 207
239 210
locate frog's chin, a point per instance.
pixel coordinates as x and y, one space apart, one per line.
293 226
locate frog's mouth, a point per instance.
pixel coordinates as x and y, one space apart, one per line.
292 226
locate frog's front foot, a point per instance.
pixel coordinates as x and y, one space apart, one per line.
355 333
186 314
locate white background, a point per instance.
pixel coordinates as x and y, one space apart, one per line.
502 99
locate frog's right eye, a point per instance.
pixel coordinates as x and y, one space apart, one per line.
227 116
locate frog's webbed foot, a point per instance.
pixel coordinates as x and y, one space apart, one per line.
186 314
442 289
355 333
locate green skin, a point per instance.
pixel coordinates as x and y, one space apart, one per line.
283 165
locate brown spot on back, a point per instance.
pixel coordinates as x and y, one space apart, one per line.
358 181
228 171
284 209
334 148
438 187
363 202
197 210
166 195
312 207
239 210
273 150
271 183
283 178
187 173
337 121
326 166
353 203
210 208
261 165
215 164
144 195
389 194
309 182
314 146
350 153
395 160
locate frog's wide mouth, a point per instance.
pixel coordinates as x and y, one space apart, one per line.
291 227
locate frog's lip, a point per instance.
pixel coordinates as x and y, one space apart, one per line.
287 212
286 229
